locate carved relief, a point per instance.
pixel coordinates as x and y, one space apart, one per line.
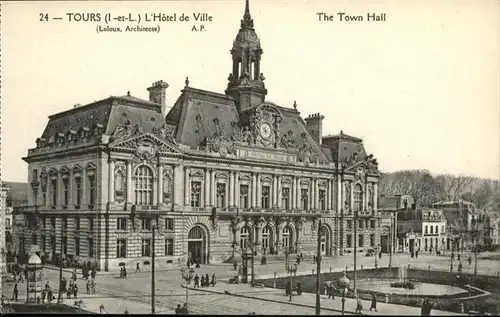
244 137
146 151
126 130
120 183
287 141
165 132
355 158
43 179
265 125
360 174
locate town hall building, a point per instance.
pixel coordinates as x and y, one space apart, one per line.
215 175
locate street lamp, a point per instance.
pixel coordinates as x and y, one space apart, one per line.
344 284
376 255
292 269
187 275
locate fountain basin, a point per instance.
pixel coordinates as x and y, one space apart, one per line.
421 289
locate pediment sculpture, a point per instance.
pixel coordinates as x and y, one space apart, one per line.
165 132
306 155
145 151
287 141
244 137
126 130
222 144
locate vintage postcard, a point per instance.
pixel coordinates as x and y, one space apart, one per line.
240 157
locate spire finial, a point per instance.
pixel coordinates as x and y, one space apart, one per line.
247 21
187 81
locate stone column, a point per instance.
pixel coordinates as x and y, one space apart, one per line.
310 196
280 192
254 191
111 181
273 192
351 195
340 187
186 186
130 186
316 193
226 196
259 192
375 197
213 188
160 184
207 188
293 193
329 196
237 189
298 193
231 189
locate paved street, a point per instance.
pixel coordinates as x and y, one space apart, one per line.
134 293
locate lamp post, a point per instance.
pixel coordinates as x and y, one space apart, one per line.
355 247
376 255
187 275
318 268
344 284
153 258
291 268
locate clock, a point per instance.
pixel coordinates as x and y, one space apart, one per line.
265 130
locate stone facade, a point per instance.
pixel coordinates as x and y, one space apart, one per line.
215 176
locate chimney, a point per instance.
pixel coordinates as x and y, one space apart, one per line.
157 94
314 123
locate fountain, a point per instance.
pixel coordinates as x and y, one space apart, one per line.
402 276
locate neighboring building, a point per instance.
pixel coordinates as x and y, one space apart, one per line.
492 221
16 195
422 229
388 207
466 222
215 174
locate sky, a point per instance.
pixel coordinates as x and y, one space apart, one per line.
422 88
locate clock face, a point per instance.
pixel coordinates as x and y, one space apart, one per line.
265 130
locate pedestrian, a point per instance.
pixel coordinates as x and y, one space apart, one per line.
93 287
213 280
331 291
25 272
202 280
207 280
235 265
75 291
288 288
459 256
63 284
93 273
15 293
73 275
178 310
412 254
124 272
69 291
460 266
125 312
137 268
185 309
121 271
49 295
314 258
89 285
196 281
469 260
374 302
299 288
380 255
430 251
359 305
416 254
44 294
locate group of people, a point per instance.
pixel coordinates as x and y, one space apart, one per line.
182 310
204 281
123 272
288 288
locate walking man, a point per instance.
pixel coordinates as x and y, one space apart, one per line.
15 293
374 302
196 281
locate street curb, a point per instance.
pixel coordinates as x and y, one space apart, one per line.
268 300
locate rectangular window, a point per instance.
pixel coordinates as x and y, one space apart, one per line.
349 224
91 247
121 248
361 240
432 229
195 194
304 198
372 224
54 192
146 224
35 175
244 196
169 224
221 195
360 222
78 190
77 246
322 199
92 190
44 199
285 198
65 191
77 221
349 241
146 247
372 240
7 223
265 197
91 224
426 230
53 223
121 224
169 246
65 223
33 239
43 244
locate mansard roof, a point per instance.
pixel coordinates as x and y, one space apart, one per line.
343 146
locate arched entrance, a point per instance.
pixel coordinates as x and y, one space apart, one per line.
267 241
326 241
197 245
287 238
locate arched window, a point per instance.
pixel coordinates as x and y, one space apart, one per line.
244 237
266 237
143 186
286 237
358 198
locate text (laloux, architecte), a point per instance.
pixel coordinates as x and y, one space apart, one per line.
346 17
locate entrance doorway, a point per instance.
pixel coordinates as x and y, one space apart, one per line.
412 245
384 244
325 242
197 245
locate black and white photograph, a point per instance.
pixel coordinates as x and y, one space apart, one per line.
250 157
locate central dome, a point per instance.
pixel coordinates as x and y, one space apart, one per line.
246 37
